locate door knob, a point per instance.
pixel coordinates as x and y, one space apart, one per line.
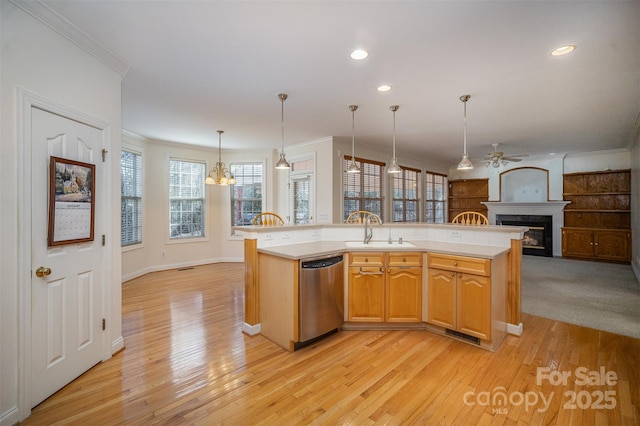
42 272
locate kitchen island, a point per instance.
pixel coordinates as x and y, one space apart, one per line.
459 280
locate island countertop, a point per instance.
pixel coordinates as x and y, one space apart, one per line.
326 248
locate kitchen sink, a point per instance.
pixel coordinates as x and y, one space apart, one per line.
378 244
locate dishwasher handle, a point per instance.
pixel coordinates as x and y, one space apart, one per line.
321 263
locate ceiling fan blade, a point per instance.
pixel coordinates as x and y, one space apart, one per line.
511 159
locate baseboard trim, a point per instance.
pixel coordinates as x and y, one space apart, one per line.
10 417
117 345
516 330
251 330
159 268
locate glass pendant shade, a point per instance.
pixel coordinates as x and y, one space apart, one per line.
394 168
220 175
465 163
353 167
282 163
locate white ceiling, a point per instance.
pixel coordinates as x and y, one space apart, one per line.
200 66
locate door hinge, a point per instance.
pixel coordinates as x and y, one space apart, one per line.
104 324
104 240
104 155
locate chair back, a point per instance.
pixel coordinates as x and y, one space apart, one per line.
359 216
267 219
471 218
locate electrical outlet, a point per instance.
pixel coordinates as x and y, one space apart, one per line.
455 234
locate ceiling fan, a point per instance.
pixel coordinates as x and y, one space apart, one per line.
497 158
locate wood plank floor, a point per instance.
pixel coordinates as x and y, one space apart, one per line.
187 362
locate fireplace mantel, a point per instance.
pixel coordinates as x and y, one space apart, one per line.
549 208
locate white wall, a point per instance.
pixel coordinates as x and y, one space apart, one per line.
157 252
40 61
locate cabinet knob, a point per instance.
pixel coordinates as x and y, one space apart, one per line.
455 263
453 274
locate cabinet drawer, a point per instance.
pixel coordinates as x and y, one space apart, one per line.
405 259
471 265
366 259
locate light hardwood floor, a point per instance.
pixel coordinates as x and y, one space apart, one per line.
187 362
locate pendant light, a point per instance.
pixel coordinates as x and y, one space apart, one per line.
465 163
394 168
353 168
222 175
282 162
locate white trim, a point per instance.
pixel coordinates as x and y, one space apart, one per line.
66 29
26 102
516 330
251 330
167 267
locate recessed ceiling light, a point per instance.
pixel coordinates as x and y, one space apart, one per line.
384 88
359 54
563 50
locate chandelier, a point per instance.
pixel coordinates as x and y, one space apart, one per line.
220 175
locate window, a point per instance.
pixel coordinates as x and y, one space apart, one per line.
246 193
435 195
364 190
130 198
302 190
186 199
404 189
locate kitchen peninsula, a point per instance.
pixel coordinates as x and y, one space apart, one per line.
466 278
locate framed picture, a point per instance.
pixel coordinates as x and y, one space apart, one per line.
71 201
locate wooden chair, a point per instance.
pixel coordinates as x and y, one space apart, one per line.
359 216
471 218
267 219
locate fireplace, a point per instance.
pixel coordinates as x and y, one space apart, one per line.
538 240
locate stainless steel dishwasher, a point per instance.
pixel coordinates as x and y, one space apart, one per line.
321 298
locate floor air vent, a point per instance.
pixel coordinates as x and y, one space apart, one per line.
463 336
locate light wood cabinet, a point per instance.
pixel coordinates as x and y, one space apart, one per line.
385 287
597 244
597 222
460 296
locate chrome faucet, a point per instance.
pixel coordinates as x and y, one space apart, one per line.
368 232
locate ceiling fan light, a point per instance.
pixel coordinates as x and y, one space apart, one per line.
465 163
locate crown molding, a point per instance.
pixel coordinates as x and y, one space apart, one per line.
66 29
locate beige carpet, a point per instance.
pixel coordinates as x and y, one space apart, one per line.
604 296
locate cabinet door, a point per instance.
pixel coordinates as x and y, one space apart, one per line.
441 298
474 305
613 245
366 294
577 243
404 295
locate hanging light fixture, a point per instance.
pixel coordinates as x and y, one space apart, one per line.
394 168
222 175
465 163
282 162
353 168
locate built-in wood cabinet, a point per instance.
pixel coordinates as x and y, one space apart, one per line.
385 287
459 295
468 195
597 222
597 244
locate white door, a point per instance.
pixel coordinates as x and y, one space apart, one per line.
66 319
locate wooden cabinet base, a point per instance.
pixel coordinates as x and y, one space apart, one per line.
470 340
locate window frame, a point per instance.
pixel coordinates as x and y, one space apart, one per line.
403 199
139 198
444 201
362 200
204 198
232 199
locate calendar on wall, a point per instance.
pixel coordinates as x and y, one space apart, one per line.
71 201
